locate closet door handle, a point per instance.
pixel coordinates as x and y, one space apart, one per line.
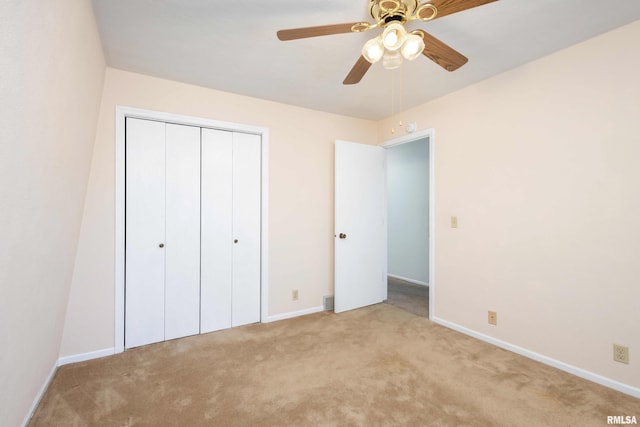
161 245
235 241
342 236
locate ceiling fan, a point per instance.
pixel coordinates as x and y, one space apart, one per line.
395 43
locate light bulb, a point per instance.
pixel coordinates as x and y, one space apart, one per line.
391 39
391 59
373 50
412 47
394 36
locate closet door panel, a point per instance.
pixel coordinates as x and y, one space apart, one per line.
145 231
182 246
217 238
246 229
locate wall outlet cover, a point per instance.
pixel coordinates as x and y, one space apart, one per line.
621 353
493 317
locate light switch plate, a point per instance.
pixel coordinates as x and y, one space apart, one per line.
454 222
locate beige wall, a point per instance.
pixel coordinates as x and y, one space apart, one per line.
537 163
540 164
51 75
300 198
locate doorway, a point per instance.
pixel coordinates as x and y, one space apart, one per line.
410 217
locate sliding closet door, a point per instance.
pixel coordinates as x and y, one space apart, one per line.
217 223
182 245
145 232
246 229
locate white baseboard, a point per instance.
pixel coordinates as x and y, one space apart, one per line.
406 279
63 361
86 356
38 398
579 372
294 314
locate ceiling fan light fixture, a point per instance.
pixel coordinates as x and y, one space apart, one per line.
412 47
394 36
391 59
394 43
373 50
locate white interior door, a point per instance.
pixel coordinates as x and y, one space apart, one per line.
245 306
182 242
217 236
145 232
360 221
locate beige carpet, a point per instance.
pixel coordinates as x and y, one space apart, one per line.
377 366
408 296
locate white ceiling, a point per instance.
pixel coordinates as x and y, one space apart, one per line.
232 46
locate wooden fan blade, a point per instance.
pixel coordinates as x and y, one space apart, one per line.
357 72
441 54
448 7
323 30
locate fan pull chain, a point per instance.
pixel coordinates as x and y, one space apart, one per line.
393 98
401 94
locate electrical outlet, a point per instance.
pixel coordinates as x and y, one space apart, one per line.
454 222
493 318
621 353
294 295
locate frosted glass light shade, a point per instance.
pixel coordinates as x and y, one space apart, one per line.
373 50
391 59
394 36
412 47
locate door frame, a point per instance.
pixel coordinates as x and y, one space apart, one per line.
430 134
122 112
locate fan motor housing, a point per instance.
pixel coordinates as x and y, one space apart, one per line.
392 10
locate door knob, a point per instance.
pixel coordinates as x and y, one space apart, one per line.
161 245
235 241
342 236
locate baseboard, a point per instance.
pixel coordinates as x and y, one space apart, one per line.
406 279
38 398
294 314
86 356
579 372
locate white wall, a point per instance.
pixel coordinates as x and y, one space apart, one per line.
300 198
408 210
540 164
51 75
